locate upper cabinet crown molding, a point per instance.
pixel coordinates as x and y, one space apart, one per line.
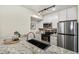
36 18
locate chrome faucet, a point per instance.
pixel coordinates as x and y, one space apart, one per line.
30 33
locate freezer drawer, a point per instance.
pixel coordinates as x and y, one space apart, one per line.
60 40
70 42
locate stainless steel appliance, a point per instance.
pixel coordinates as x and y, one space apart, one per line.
45 37
68 35
47 25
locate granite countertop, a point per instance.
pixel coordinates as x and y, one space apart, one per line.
24 47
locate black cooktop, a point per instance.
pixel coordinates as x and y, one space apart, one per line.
38 44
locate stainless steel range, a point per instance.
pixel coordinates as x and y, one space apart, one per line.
45 37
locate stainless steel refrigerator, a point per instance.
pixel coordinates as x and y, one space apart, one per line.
67 35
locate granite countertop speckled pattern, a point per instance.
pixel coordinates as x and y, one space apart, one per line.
24 47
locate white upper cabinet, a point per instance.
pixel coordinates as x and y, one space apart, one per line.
51 18
72 13
67 14
62 15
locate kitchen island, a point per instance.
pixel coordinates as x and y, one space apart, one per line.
24 47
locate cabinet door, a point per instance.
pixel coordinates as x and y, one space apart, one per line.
71 13
38 37
53 40
62 15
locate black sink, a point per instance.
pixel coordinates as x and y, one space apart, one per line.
38 44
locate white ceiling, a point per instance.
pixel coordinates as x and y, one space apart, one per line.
37 8
40 7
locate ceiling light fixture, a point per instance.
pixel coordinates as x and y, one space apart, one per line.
53 8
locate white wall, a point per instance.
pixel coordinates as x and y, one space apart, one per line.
14 18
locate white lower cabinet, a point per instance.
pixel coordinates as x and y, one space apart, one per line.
38 37
53 40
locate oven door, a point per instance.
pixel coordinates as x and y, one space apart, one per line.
45 37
